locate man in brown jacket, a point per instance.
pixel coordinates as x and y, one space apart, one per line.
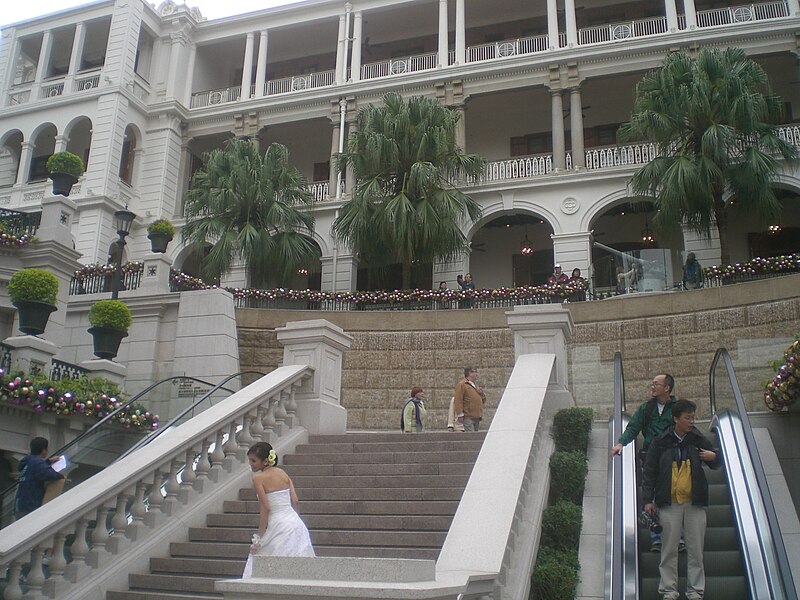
469 399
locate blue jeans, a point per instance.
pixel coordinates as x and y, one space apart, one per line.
472 424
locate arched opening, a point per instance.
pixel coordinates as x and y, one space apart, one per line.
10 153
126 161
750 238
192 264
80 138
44 144
309 276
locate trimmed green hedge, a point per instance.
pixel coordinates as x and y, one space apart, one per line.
555 576
571 429
561 525
567 476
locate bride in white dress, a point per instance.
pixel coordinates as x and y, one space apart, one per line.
280 530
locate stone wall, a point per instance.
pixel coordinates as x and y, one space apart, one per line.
676 332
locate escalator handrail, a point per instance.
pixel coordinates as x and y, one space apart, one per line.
61 451
621 553
785 575
146 440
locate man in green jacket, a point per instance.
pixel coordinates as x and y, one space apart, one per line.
651 419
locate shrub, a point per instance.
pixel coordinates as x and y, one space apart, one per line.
161 227
561 525
567 476
65 162
110 313
571 429
555 576
33 284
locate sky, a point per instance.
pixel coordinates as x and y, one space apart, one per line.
14 11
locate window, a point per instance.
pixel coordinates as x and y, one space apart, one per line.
322 171
533 143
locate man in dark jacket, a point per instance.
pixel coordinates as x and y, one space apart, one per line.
674 486
35 472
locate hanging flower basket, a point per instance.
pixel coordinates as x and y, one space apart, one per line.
107 341
62 183
33 316
158 242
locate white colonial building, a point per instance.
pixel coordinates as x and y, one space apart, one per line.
141 92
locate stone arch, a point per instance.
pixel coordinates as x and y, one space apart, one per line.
78 133
131 141
43 139
10 154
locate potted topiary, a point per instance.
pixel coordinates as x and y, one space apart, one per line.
110 320
64 168
160 233
33 292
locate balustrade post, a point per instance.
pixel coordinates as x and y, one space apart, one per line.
172 487
231 449
188 476
35 578
244 439
119 539
203 467
13 591
55 585
96 555
217 456
138 512
257 427
281 428
155 515
79 549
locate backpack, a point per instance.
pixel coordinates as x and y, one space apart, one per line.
402 415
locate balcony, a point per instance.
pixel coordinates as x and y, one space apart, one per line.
53 88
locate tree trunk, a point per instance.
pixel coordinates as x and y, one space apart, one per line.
406 276
721 218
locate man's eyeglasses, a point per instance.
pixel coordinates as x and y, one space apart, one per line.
656 384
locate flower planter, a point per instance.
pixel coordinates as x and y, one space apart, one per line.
107 341
33 316
159 241
62 183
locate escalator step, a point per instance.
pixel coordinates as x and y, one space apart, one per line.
729 588
723 563
717 539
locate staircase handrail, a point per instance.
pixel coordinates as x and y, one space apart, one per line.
256 412
110 416
177 418
622 552
766 562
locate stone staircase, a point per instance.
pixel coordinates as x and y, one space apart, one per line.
383 495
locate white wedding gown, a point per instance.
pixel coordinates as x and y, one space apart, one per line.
286 533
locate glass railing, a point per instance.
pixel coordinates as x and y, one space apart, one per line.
108 439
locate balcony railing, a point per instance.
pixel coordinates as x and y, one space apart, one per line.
298 83
20 223
507 48
51 90
213 97
518 168
619 156
87 82
621 31
19 96
400 66
742 14
63 370
319 191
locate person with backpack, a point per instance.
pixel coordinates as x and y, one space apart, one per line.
414 416
651 419
692 273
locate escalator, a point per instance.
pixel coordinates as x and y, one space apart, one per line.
744 555
106 441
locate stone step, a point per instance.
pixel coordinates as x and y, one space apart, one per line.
391 469
169 583
392 436
375 493
308 458
345 537
216 551
218 568
372 522
379 481
462 444
238 552
149 595
373 552
353 507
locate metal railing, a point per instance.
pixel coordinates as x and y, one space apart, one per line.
612 32
63 370
101 282
507 48
744 13
400 66
51 90
767 566
5 357
87 82
20 223
297 83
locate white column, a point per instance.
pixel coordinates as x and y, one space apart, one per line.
443 42
461 29
573 250
572 24
461 128
261 68
26 152
176 65
76 55
552 24
557 120
247 71
333 179
341 51
44 63
355 65
576 128
61 143
187 92
671 14
691 14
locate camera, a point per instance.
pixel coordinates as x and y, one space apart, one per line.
650 521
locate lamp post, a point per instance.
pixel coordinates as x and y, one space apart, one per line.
123 220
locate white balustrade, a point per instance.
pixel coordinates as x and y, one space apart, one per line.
744 13
87 82
790 133
213 97
51 90
19 97
319 191
149 473
518 168
612 32
506 48
400 65
618 156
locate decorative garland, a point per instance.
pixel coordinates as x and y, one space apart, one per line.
97 269
9 239
784 389
758 266
74 397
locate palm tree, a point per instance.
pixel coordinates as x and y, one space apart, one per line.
249 208
405 206
712 119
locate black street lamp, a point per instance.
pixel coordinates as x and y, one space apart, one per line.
123 221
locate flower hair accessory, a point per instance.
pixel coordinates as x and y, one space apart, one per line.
272 458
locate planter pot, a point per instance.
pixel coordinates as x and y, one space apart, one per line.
33 316
107 341
62 183
159 241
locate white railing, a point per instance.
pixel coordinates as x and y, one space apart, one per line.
298 83
790 133
87 82
619 156
143 493
612 32
518 168
745 13
19 97
213 97
506 48
51 90
319 191
400 66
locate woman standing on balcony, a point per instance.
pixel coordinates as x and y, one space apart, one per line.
281 532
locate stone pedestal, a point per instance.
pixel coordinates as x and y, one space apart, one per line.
543 328
100 367
320 344
31 354
155 278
